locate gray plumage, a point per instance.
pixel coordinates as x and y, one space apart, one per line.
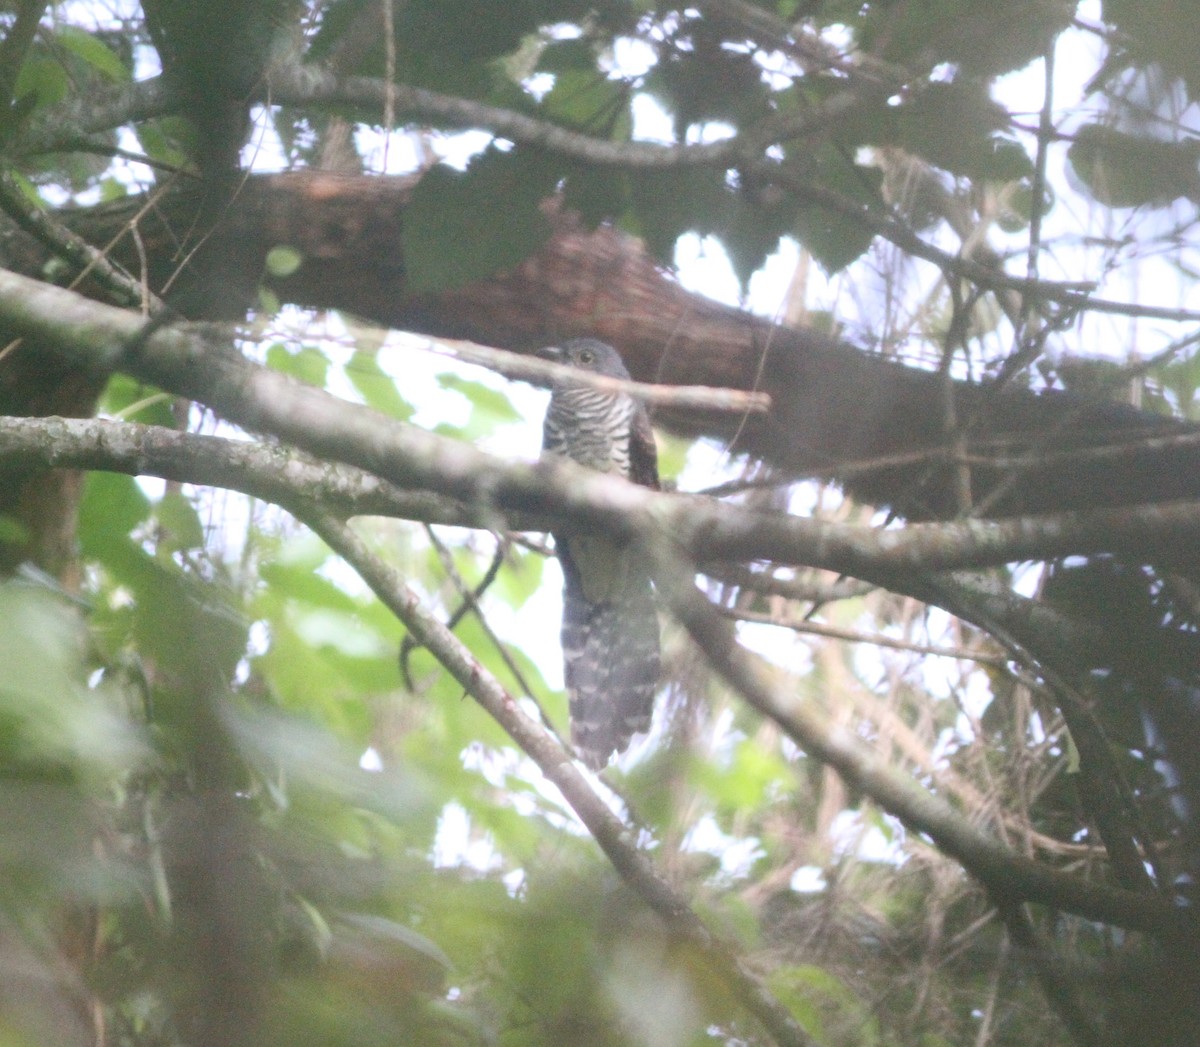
610 624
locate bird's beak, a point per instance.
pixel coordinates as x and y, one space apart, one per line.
550 352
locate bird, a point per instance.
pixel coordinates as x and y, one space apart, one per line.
610 636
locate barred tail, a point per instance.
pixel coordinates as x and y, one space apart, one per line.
611 663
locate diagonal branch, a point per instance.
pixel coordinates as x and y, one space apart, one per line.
609 831
1006 875
72 248
292 481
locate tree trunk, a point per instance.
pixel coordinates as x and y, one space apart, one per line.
891 434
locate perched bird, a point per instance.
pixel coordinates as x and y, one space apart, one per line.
610 626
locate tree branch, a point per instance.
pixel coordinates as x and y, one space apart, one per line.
180 360
60 126
544 372
1006 875
177 359
72 248
312 85
609 831
270 472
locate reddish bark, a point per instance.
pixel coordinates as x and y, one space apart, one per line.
833 404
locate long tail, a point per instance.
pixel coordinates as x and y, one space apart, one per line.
611 663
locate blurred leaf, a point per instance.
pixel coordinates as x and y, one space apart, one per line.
754 777
709 82
42 78
1125 170
283 261
179 522
307 363
132 401
93 50
50 721
520 578
825 1006
461 227
377 388
13 531
166 140
1158 32
490 408
667 204
834 239
583 96
984 37
111 507
1182 377
953 126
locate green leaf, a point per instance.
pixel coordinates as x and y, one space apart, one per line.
1182 377
1125 170
1158 32
44 712
707 81
94 51
283 261
165 140
490 408
834 239
42 78
983 38
755 776
111 507
378 389
13 532
268 301
952 125
521 577
132 401
179 523
597 194
584 96
462 227
307 363
824 1005
666 204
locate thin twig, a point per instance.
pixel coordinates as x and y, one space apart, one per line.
67 245
470 604
854 636
545 372
1004 873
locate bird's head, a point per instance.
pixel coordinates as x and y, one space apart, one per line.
588 354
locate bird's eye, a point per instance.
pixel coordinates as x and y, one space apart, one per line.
586 356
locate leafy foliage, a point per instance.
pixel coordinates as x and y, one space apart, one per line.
243 807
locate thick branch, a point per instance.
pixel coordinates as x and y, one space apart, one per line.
178 359
60 127
271 472
870 423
